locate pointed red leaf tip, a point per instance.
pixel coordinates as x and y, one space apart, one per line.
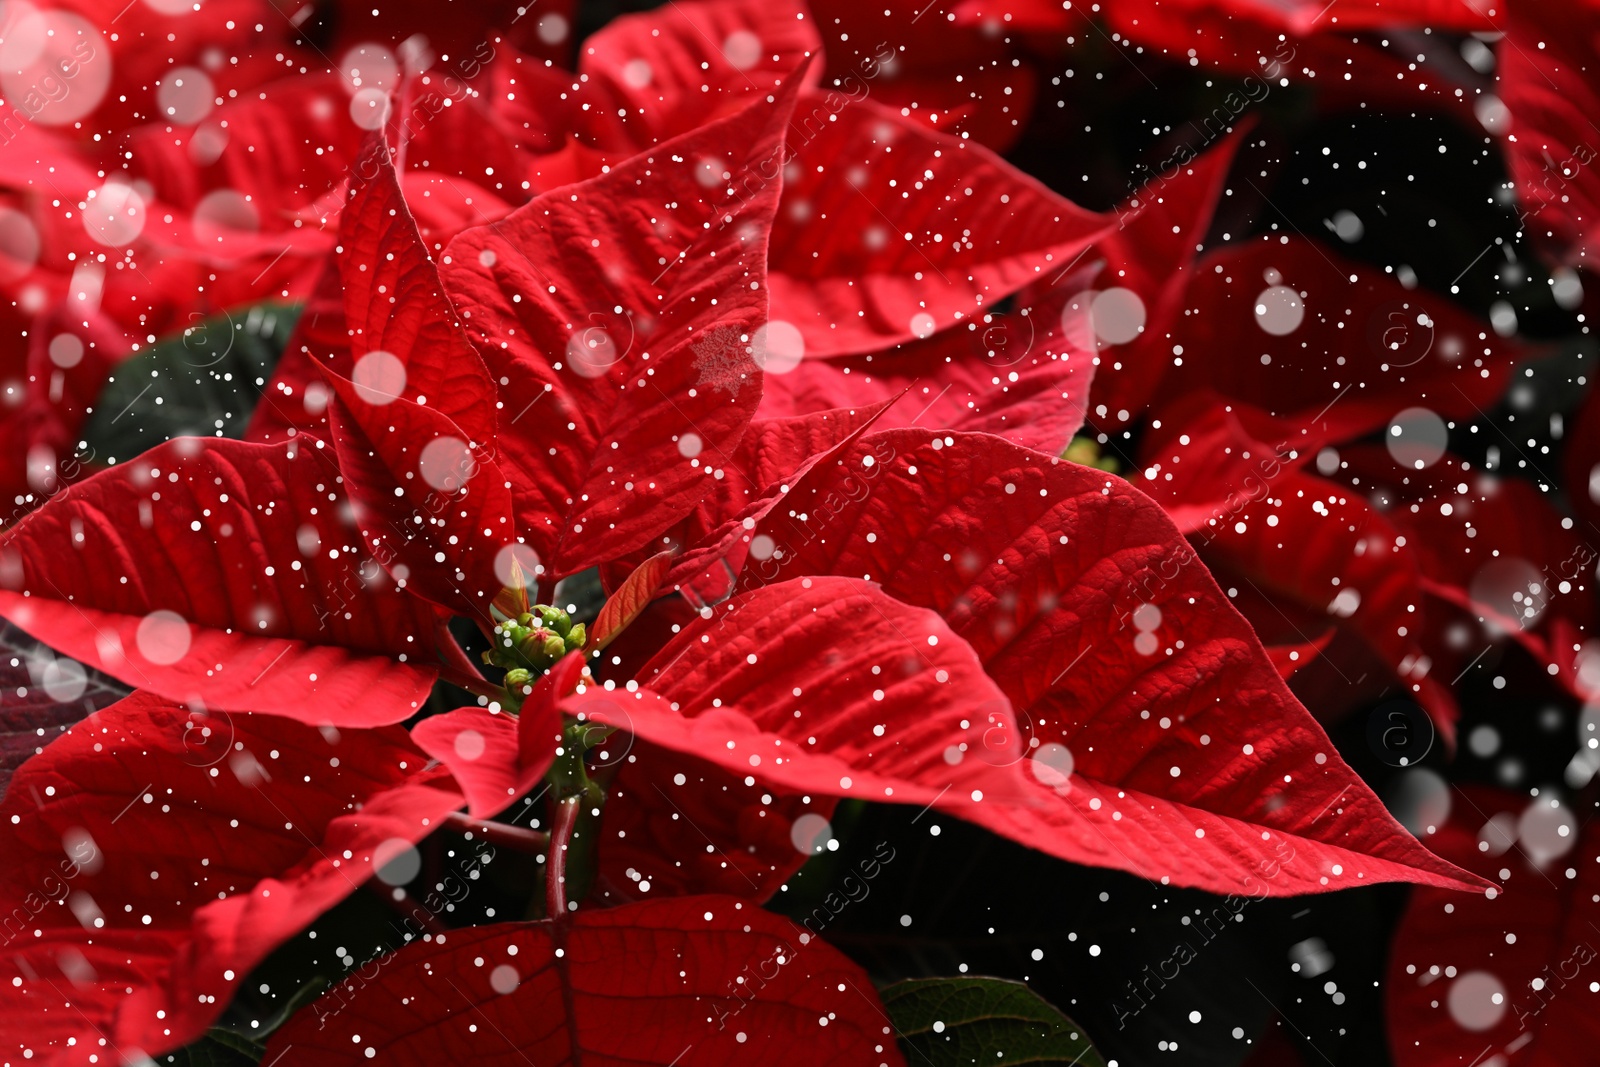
496 757
663 257
1278 318
185 848
225 573
708 981
1018 375
1503 978
1149 265
922 231
651 76
1167 743
413 414
631 598
826 686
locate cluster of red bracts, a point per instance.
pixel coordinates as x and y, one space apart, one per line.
717 317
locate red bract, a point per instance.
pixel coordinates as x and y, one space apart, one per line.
227 573
1548 86
855 264
1160 228
155 854
1505 977
959 79
727 983
1021 376
412 403
494 757
1493 547
856 267
1302 553
620 330
1268 44
644 73
1328 349
1145 690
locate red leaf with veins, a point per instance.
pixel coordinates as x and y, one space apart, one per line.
1017 375
883 691
871 200
394 303
676 824
1188 761
1302 544
1329 357
605 449
645 75
772 453
222 572
556 996
631 598
186 847
412 420
495 757
1453 955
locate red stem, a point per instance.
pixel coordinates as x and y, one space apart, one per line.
566 819
477 686
516 838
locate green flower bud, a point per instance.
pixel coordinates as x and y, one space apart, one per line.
577 637
554 647
555 618
518 677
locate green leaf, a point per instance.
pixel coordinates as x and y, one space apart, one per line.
945 1022
186 385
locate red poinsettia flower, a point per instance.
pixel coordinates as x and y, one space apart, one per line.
823 601
311 604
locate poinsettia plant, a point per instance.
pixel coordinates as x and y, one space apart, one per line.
649 540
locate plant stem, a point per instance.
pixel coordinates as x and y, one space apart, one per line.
555 868
516 838
478 686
